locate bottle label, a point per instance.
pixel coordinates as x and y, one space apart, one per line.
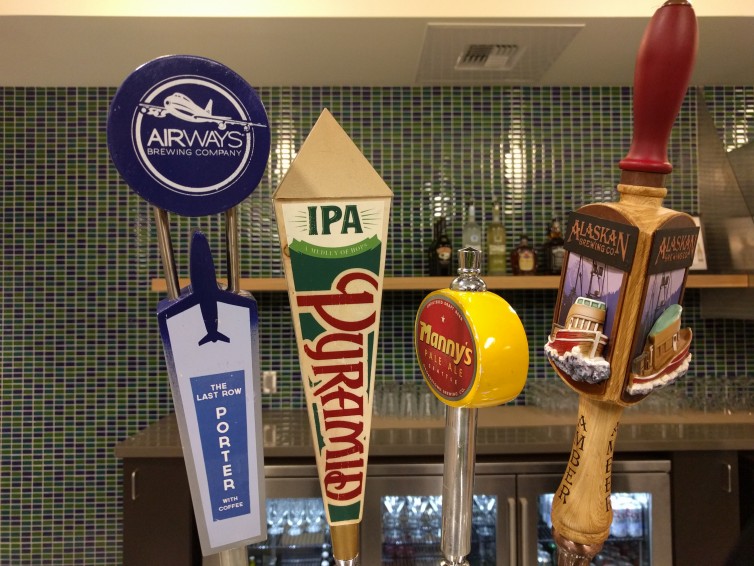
556 258
474 240
444 253
496 259
526 261
445 347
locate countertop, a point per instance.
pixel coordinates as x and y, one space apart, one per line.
507 430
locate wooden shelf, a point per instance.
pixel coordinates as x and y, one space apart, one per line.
247 284
494 282
730 280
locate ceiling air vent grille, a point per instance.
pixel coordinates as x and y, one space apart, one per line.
494 57
484 53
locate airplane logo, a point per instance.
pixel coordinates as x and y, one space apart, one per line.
182 107
204 286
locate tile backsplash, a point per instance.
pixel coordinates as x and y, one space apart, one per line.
82 364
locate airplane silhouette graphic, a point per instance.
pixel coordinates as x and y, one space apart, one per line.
181 106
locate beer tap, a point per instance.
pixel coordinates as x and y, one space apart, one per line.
473 353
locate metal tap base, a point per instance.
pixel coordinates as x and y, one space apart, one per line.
458 484
460 445
573 553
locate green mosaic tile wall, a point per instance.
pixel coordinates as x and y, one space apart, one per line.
82 364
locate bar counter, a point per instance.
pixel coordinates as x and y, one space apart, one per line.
507 430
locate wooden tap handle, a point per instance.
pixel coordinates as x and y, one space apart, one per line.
581 509
663 69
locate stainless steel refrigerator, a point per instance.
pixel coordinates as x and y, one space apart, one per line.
402 509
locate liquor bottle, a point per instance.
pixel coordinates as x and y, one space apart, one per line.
524 258
431 254
553 250
496 243
442 251
472 233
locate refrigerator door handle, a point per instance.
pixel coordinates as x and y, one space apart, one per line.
727 477
524 523
134 493
514 523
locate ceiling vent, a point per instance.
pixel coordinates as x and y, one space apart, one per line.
502 57
459 54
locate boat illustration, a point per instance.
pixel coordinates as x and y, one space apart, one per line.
582 333
665 356
576 346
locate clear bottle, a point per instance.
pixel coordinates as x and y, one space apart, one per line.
553 250
524 258
442 251
472 233
496 244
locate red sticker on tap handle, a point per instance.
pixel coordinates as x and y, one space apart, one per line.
446 348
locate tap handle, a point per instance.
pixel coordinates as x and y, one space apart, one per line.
663 69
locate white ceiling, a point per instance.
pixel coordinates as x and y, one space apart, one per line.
40 46
361 9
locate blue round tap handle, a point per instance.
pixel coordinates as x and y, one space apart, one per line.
189 135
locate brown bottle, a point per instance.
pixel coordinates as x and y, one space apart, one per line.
524 258
553 250
441 253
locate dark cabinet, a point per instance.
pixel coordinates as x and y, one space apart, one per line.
705 500
710 490
158 519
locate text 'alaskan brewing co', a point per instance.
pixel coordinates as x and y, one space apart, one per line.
677 248
338 359
604 239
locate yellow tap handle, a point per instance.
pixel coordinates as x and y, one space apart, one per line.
471 347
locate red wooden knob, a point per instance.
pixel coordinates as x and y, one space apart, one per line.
663 69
